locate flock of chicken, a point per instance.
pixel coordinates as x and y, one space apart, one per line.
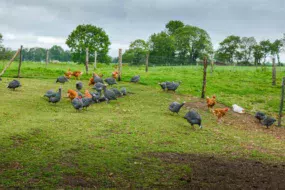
80 101
101 93
194 118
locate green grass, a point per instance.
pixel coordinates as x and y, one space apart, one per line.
44 145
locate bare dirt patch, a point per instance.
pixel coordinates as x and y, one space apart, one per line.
210 172
244 121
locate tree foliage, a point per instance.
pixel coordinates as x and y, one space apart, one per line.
173 25
135 55
91 37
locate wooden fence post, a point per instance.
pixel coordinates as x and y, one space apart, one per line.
146 62
204 78
20 62
120 65
95 59
8 65
273 72
281 102
86 61
47 54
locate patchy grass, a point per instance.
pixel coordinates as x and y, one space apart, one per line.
111 145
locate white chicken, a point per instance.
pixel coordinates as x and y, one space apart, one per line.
238 109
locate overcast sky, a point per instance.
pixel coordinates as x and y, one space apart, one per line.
44 23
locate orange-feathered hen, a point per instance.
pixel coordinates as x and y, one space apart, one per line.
87 94
220 112
211 102
77 74
115 74
68 74
72 94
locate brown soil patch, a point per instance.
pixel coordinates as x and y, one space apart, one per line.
209 172
242 121
78 181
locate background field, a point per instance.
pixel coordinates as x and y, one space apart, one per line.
128 142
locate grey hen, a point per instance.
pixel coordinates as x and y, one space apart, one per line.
50 93
175 107
14 84
79 86
163 85
77 103
268 121
62 79
135 79
260 115
109 94
124 91
110 81
97 79
117 92
98 86
172 86
96 96
56 97
193 118
87 102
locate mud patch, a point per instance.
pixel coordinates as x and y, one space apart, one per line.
210 172
78 181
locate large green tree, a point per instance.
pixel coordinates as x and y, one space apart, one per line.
276 48
266 48
162 48
257 54
229 48
56 53
136 54
91 37
246 49
192 43
173 25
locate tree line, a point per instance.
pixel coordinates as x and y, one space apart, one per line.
185 44
178 43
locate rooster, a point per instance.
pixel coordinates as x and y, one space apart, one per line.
71 94
68 74
220 112
211 102
115 74
77 74
87 94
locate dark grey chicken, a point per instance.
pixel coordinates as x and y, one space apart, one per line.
135 79
49 93
175 107
172 86
268 121
193 118
79 86
97 79
56 97
260 116
79 94
124 91
14 84
117 92
98 86
109 94
62 79
87 102
163 85
96 96
110 81
77 103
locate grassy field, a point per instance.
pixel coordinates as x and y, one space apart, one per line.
120 144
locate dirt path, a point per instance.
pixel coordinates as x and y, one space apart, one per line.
210 172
